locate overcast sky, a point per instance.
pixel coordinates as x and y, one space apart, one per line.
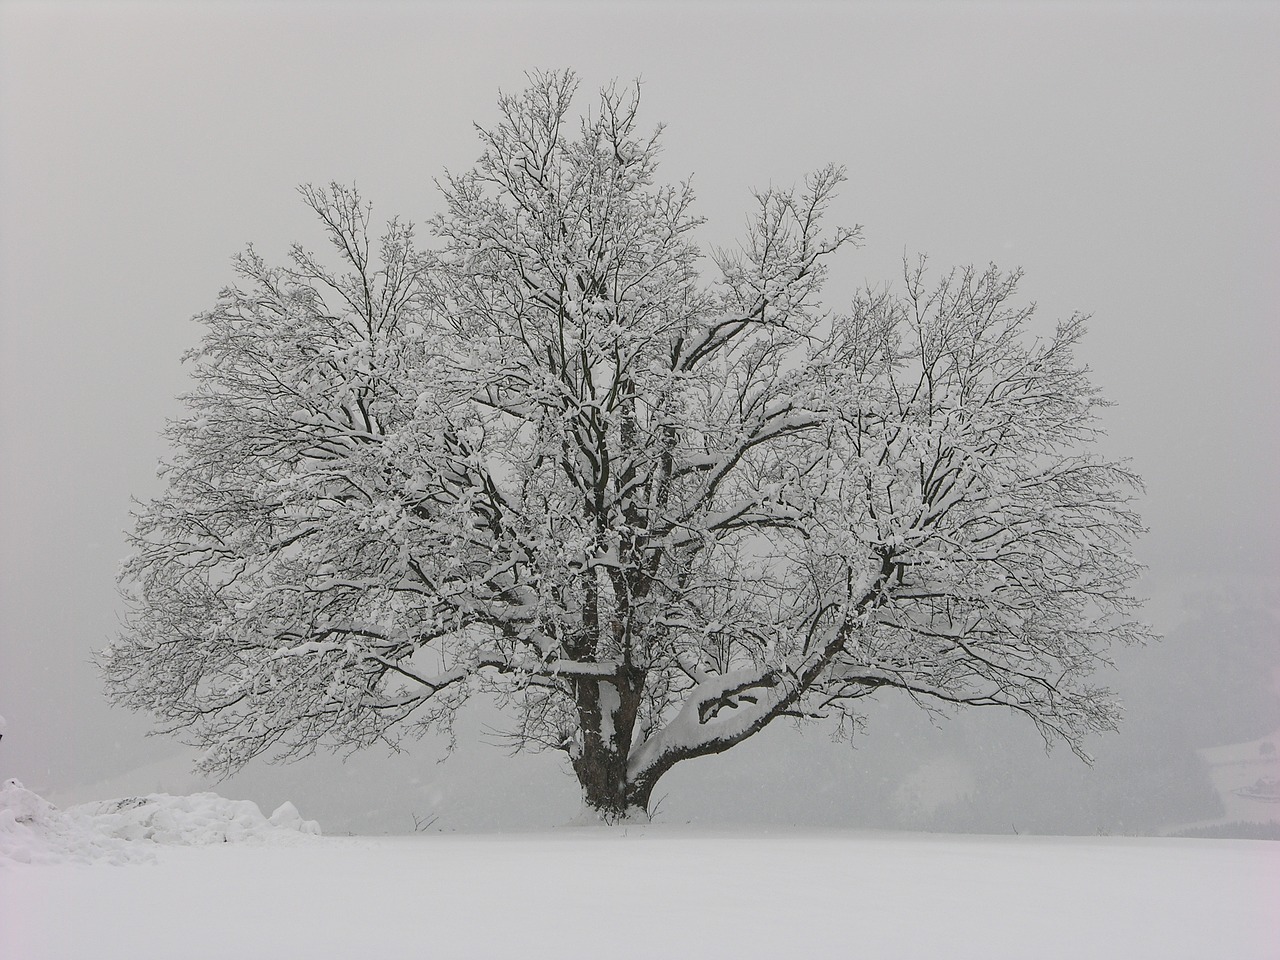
1125 155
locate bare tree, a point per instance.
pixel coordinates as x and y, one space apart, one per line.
653 513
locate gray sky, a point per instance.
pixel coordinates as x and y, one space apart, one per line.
1124 155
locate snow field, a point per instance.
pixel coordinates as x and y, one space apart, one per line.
658 892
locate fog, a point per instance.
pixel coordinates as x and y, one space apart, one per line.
1124 155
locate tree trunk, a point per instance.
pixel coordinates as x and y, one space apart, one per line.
607 714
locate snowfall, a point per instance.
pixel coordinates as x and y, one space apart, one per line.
202 876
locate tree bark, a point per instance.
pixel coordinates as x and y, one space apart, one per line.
607 708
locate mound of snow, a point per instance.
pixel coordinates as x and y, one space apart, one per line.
193 820
32 830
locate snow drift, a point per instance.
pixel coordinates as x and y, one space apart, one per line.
32 830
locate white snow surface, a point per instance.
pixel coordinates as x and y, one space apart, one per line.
32 830
655 892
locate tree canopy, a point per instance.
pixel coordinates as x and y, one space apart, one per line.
651 499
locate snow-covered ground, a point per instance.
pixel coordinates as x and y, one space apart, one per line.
651 892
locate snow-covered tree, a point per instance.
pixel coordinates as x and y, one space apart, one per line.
652 511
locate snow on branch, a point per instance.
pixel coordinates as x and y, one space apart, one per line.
650 509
